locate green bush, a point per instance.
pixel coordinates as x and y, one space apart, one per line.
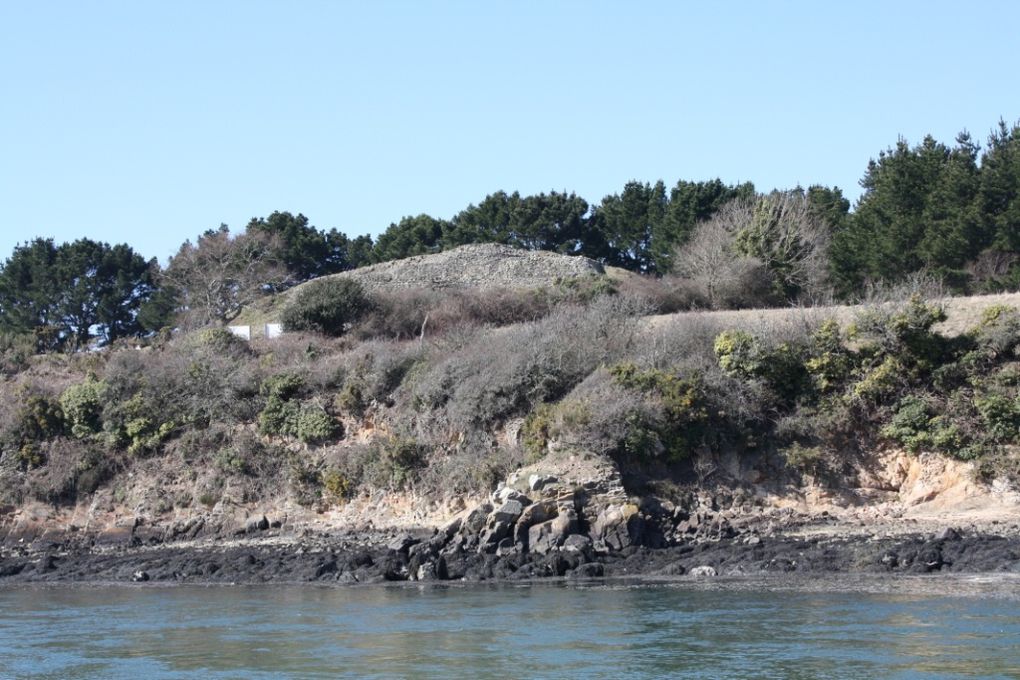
307 421
315 425
283 386
336 486
830 362
40 418
16 349
911 423
83 407
137 424
781 367
808 459
684 412
328 306
279 417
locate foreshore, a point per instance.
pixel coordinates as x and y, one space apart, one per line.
799 546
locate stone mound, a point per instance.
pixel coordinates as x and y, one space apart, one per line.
487 265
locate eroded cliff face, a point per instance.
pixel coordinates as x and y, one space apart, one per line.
542 505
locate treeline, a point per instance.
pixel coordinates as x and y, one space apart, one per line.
951 210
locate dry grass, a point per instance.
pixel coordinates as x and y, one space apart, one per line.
963 314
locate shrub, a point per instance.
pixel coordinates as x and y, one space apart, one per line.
830 362
328 306
683 408
283 386
336 486
911 423
16 349
807 459
83 405
40 418
781 366
315 425
137 424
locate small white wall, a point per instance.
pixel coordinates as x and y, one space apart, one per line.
241 331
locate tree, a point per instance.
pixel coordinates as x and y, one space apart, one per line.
999 191
689 204
723 276
917 211
218 275
305 251
491 221
29 288
419 235
64 293
623 225
553 221
773 239
782 232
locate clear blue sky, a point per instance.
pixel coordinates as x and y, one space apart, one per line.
149 122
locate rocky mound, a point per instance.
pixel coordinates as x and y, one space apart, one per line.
487 265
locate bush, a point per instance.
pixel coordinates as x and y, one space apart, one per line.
315 425
328 306
83 405
16 349
336 486
781 367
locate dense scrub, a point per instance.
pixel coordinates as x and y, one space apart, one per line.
448 392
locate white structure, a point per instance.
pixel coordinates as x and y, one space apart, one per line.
273 330
243 332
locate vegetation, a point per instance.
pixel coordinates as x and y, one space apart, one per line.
329 306
435 384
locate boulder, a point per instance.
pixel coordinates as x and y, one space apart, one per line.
536 513
493 533
539 482
703 571
509 512
402 542
432 571
475 521
579 543
589 570
255 524
619 526
550 535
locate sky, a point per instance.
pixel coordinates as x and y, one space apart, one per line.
149 122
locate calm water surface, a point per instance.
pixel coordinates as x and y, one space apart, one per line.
537 631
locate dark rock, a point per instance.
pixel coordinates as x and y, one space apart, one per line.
550 535
140 576
673 569
327 567
619 526
12 568
579 543
402 542
475 521
509 512
535 513
949 534
589 570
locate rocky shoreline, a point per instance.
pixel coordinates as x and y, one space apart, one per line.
552 533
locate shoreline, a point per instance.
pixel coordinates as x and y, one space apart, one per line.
424 557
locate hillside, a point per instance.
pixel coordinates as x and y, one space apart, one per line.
531 431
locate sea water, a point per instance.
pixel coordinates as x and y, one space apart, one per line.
739 629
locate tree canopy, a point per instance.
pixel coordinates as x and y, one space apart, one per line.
67 294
